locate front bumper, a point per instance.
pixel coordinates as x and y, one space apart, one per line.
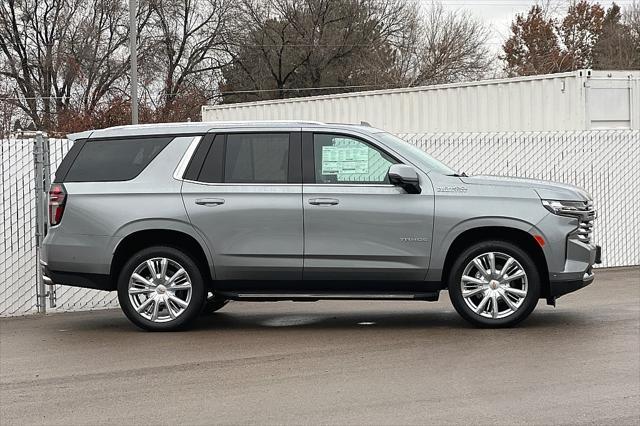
564 283
560 288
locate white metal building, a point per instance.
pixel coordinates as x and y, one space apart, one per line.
579 100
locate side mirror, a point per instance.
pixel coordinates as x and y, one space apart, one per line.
405 177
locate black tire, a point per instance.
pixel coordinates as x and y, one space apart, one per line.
184 260
213 304
499 247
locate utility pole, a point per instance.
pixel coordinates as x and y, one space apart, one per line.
133 49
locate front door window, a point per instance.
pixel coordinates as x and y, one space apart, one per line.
342 159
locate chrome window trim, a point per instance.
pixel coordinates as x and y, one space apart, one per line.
238 184
178 174
352 185
289 184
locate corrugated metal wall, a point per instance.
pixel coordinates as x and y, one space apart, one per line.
539 103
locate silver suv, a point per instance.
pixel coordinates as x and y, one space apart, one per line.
182 218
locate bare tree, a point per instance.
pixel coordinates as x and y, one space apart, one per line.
451 46
618 44
97 52
30 36
8 109
579 32
190 40
268 46
66 61
285 45
355 42
631 17
64 57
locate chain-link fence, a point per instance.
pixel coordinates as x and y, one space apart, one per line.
605 163
17 232
25 162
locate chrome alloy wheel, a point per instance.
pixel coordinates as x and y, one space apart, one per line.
494 285
160 289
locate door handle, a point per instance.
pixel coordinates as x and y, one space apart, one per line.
209 201
323 201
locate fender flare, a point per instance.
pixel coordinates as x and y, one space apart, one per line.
442 247
165 225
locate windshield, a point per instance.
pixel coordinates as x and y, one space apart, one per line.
424 160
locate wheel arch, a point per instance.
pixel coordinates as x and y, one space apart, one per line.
512 235
140 239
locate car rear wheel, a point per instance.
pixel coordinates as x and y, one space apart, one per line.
161 289
494 284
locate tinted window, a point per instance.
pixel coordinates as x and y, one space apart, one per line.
68 160
198 157
213 166
342 159
257 158
114 159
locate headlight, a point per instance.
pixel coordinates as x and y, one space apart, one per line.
565 208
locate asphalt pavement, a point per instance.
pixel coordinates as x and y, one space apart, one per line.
333 362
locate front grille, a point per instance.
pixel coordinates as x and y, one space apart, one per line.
585 226
584 231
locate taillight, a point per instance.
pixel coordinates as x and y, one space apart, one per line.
57 200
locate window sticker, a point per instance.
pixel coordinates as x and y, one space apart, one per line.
345 160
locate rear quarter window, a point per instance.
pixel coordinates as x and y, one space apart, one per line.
114 159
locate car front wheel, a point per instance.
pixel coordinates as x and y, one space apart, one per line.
494 284
161 289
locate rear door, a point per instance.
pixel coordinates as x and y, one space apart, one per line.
243 193
359 228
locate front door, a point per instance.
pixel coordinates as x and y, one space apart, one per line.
358 228
246 200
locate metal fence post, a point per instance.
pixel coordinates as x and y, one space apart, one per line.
38 163
45 208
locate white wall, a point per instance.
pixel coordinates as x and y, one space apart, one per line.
541 103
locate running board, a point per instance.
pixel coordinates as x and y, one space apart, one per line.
312 297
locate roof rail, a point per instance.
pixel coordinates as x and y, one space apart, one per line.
263 121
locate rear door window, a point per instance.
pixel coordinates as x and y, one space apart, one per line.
114 159
257 158
213 166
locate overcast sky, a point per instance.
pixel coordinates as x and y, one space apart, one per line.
498 14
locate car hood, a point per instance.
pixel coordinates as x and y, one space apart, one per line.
546 189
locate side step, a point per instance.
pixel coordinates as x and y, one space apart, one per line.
312 297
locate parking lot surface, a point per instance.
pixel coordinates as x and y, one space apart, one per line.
332 363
